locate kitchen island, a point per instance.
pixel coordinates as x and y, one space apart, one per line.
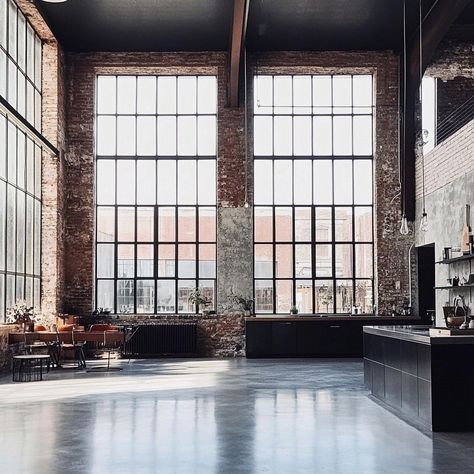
427 380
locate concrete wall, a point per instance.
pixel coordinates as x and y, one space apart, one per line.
449 184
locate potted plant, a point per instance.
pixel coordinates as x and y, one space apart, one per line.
197 299
245 304
22 314
294 309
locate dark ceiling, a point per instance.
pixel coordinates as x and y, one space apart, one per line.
205 25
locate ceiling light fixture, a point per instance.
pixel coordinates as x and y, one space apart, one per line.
54 1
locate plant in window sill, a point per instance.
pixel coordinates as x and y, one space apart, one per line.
294 310
22 314
197 299
241 302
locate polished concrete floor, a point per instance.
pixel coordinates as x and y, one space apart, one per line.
215 416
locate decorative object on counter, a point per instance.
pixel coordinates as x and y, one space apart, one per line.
431 313
451 332
466 231
242 302
460 303
22 314
456 252
293 310
456 281
453 315
196 298
101 312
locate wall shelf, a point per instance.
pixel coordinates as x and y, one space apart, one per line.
453 287
457 259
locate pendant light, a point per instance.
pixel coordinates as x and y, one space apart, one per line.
54 1
424 216
246 198
404 223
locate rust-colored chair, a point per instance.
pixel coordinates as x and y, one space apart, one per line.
103 327
39 328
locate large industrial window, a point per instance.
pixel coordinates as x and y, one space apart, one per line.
313 193
20 161
155 192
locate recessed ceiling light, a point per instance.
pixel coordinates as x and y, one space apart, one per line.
54 1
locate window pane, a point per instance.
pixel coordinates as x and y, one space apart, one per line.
263 186
304 296
186 224
363 254
364 296
105 261
343 182
106 135
145 224
166 136
3 42
146 181
263 94
12 21
207 182
284 295
105 182
324 297
126 94
166 260
343 296
166 182
126 261
363 182
187 182
12 152
263 218
283 224
146 95
303 185
166 95
282 136
362 90
343 224
105 294
342 94
363 224
187 99
184 291
3 218
323 229
186 261
263 136
126 224
323 260
207 224
302 136
208 292
207 261
343 262
3 76
284 261
322 136
282 94
126 136
207 95
264 296
302 94
303 224
322 92
105 224
207 136
342 135
322 182
125 296
165 300
303 267
145 296
283 180
125 182
263 261
186 136
20 232
146 136
3 149
362 135
106 95
166 224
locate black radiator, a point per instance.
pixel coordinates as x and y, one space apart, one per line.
161 339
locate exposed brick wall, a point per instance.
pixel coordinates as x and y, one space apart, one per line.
447 162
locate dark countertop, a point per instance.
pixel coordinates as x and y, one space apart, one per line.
312 317
418 334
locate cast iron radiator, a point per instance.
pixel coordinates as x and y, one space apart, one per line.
161 339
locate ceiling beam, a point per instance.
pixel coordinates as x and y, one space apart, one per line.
239 30
435 25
